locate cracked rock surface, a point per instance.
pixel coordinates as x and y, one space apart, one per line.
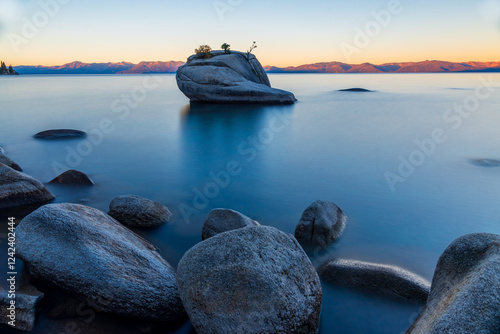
321 224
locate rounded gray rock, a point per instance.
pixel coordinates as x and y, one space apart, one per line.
250 280
378 278
321 224
98 260
465 291
73 177
229 78
223 220
136 211
18 189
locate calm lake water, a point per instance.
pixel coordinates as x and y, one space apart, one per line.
146 139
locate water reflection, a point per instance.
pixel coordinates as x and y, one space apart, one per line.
213 133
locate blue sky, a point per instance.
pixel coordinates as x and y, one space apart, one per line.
288 32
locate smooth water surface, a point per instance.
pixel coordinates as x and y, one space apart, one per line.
146 139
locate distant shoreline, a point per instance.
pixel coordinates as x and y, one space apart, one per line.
169 67
274 73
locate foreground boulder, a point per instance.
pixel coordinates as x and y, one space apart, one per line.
223 220
321 224
229 78
18 189
136 211
60 134
9 162
73 177
465 292
250 280
378 278
27 299
92 256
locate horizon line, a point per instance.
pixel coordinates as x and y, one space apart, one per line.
320 62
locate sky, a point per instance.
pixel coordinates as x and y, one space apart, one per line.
288 33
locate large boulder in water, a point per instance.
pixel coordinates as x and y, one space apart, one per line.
236 77
92 256
465 291
321 224
250 280
18 189
377 278
223 220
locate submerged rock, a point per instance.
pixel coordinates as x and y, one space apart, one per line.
465 292
73 177
378 278
18 189
9 162
60 134
95 258
136 211
356 90
27 299
485 162
250 280
229 78
223 220
321 224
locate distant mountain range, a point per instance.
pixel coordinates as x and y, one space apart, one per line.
428 66
78 67
154 67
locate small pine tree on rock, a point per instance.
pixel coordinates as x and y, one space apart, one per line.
226 47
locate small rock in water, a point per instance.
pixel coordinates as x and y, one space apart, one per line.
223 220
136 211
485 162
465 291
358 90
18 189
378 278
60 134
27 299
321 224
73 177
1 150
9 162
